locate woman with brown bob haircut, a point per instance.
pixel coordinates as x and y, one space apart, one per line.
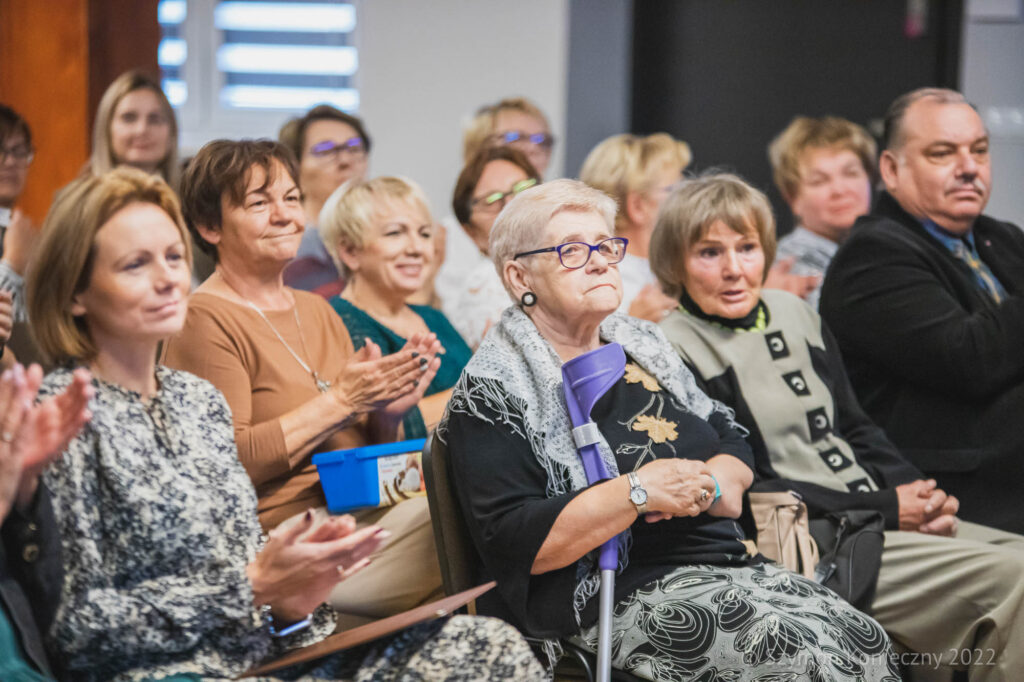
286 364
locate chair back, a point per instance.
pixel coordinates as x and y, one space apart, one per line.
455 550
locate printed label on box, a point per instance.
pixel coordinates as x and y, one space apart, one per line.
400 477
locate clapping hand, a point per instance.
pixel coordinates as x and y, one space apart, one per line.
427 348
31 436
371 381
303 560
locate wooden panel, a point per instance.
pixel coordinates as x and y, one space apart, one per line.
56 59
123 35
44 61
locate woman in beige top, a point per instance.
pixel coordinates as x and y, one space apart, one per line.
286 365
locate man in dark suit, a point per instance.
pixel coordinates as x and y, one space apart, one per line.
926 301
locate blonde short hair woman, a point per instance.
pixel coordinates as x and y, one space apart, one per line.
638 172
382 237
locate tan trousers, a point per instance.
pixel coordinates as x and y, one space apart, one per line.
402 574
955 603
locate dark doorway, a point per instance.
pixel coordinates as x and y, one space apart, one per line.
728 75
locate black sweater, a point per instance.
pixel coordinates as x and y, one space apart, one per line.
501 488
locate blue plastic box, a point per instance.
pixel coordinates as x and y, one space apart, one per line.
350 478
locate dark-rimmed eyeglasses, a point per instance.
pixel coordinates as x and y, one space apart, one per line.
21 154
493 202
329 148
518 138
574 255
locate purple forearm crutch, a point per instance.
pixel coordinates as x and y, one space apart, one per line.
584 380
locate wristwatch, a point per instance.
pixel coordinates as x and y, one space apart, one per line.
283 630
637 494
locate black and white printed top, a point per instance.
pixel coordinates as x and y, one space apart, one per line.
158 523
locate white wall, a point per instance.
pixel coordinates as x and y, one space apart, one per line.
992 77
425 67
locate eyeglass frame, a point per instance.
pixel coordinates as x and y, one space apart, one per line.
592 247
545 141
484 205
353 146
9 152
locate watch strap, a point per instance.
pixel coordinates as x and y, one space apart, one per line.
634 484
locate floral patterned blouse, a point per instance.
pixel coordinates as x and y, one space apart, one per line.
158 523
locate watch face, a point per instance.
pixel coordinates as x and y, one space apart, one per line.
638 496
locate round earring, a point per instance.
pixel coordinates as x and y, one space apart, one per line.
528 299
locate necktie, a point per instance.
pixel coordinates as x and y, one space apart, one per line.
982 274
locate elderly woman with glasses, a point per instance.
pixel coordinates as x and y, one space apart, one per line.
475 298
691 602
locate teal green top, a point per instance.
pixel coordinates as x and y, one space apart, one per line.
361 327
13 665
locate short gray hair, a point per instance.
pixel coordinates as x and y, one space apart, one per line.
521 223
893 136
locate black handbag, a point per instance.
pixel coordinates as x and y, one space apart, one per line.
850 549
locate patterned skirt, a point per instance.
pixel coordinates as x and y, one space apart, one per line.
757 623
457 649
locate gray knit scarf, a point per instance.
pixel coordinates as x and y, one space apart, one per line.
518 375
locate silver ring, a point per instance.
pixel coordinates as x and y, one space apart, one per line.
6 436
704 495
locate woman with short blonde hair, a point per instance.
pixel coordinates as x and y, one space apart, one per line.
824 169
349 212
638 172
382 237
827 132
